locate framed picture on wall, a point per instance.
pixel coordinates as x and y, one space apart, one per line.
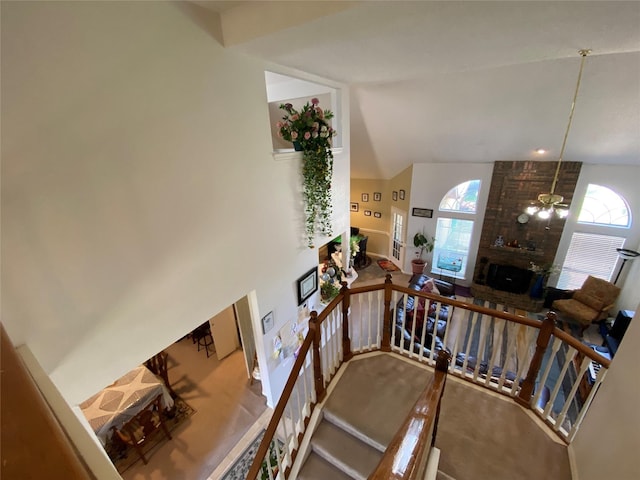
422 212
377 196
377 214
365 197
402 194
307 284
354 206
267 322
367 213
394 195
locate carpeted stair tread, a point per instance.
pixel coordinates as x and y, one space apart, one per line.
374 396
345 451
316 468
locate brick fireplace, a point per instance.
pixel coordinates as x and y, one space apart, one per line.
513 186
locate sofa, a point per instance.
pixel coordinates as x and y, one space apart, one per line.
424 312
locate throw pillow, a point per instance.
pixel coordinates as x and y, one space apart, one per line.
588 300
428 287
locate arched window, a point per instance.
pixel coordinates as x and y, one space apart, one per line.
454 229
461 198
593 252
603 206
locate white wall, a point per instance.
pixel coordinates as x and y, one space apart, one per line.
431 181
608 440
140 196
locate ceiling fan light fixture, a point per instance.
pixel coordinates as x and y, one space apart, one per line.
545 213
532 209
550 203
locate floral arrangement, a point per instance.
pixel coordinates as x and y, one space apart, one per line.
354 246
545 271
308 127
309 131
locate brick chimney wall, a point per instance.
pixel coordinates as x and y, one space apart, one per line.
514 185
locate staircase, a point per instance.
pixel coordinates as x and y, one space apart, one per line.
361 416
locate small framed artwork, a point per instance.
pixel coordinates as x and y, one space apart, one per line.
377 214
354 206
394 195
267 322
402 194
422 212
377 196
365 197
367 213
307 284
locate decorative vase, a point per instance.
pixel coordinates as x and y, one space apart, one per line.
296 146
538 287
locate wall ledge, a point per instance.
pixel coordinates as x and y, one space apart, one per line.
289 154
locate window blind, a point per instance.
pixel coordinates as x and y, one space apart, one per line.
589 254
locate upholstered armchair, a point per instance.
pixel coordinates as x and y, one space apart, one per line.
590 303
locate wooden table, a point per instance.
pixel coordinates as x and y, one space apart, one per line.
121 401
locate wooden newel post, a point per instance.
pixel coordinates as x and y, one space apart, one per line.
544 335
314 325
386 325
347 354
442 365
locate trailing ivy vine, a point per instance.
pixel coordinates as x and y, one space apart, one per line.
317 172
308 129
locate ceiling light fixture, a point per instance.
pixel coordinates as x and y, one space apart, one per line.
550 203
541 151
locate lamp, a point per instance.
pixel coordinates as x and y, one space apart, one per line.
625 254
550 203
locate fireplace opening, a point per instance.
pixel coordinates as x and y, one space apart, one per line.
509 278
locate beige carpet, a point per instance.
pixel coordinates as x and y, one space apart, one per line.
481 435
226 408
484 437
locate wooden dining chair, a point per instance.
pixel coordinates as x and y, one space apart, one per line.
143 426
158 365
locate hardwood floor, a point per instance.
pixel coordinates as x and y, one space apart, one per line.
226 405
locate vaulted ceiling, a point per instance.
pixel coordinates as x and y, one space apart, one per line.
449 82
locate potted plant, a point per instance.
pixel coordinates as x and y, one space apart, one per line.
424 244
328 291
310 132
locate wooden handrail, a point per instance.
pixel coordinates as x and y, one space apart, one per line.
279 410
313 339
404 458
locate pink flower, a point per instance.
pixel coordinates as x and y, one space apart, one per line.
307 135
315 101
294 135
295 117
279 124
320 112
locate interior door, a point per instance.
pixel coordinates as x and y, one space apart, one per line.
398 236
225 332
